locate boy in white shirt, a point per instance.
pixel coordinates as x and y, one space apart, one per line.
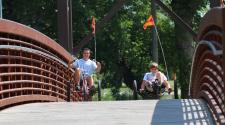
86 67
151 77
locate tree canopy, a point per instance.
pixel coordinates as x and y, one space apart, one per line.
123 47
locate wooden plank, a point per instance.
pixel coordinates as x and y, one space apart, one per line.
141 112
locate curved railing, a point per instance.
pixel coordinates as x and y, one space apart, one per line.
33 67
207 78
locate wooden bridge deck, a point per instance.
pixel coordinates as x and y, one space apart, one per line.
141 112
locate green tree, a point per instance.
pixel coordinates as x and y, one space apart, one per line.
38 14
123 47
184 40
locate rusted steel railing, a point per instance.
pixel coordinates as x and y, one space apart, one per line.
207 78
33 67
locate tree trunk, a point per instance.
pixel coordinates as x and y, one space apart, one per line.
184 44
185 51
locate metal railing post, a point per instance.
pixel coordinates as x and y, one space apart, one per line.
1 9
68 91
99 91
175 86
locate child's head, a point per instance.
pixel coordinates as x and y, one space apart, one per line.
154 67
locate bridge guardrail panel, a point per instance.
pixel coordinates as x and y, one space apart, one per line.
33 67
207 77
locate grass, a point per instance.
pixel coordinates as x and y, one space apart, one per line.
126 94
106 94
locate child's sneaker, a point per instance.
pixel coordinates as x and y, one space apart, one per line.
92 90
169 90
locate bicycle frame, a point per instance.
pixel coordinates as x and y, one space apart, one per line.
157 90
85 87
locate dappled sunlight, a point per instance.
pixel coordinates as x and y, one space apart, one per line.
185 111
195 111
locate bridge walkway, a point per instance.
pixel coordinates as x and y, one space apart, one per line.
140 112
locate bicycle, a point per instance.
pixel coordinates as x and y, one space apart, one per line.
84 87
88 92
81 84
153 90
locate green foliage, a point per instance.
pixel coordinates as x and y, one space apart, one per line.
38 14
123 47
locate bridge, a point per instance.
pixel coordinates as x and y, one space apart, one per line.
33 69
141 112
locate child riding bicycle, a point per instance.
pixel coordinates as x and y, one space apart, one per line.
86 67
153 76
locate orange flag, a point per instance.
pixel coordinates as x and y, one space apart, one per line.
93 25
149 22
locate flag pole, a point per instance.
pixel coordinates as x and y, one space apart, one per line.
95 45
150 22
94 35
162 50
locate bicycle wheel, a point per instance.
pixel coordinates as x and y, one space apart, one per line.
156 90
135 96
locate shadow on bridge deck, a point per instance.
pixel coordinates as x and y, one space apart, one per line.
141 112
177 112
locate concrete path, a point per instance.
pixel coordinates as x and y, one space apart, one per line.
141 112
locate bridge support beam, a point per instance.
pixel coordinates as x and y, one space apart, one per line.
65 24
176 18
115 9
